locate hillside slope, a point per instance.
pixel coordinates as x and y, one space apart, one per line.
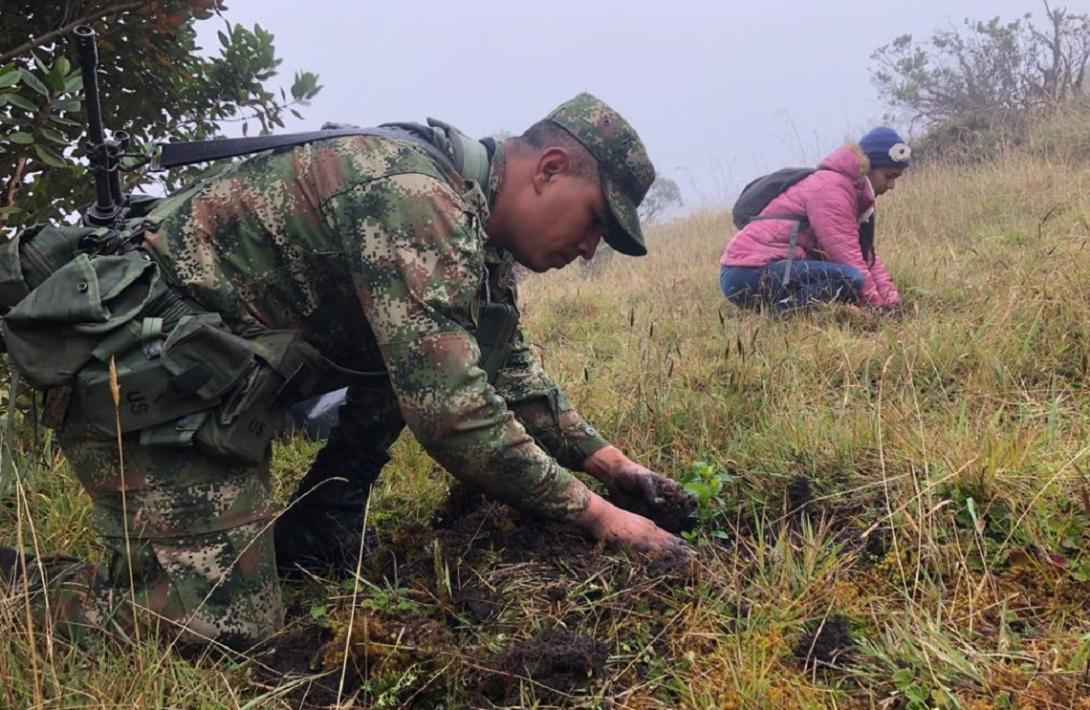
896 512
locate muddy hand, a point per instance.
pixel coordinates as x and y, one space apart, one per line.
655 489
605 521
622 475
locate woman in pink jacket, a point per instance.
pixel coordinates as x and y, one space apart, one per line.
833 212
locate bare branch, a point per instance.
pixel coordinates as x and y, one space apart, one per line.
988 67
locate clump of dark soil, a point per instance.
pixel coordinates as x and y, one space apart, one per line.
555 662
294 653
674 564
876 545
376 647
469 531
827 644
461 502
476 602
800 496
678 513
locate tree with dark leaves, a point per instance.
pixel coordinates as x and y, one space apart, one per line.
155 82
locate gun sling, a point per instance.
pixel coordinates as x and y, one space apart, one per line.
173 155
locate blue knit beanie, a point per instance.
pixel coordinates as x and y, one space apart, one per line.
885 147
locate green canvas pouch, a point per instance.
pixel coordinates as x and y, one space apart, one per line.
287 370
52 332
35 253
89 295
147 397
176 432
13 287
160 381
213 358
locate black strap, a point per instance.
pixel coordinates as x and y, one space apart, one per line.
174 155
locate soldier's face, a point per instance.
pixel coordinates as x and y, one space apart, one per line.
566 220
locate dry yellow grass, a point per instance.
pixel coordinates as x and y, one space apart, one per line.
916 483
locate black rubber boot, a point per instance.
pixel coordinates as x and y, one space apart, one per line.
320 530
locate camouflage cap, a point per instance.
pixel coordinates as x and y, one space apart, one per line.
627 172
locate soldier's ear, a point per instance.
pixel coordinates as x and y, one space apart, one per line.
551 163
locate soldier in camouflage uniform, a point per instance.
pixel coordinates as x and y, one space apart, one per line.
388 260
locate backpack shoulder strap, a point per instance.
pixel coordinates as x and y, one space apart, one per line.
174 155
471 157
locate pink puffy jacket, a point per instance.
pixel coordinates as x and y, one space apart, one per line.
833 199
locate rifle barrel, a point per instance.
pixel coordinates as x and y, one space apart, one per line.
107 204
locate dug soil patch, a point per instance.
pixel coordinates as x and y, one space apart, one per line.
827 644
555 661
491 606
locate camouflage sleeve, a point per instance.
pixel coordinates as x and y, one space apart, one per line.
544 410
415 251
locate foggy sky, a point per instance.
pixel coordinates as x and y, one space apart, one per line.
719 91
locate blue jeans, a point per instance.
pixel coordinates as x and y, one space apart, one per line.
811 282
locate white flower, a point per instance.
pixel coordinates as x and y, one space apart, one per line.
900 153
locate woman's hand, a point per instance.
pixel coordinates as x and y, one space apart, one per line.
895 310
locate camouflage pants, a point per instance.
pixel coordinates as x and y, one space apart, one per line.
188 546
189 538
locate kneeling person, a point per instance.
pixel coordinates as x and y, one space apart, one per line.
390 257
814 241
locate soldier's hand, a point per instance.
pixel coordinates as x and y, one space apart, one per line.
656 490
605 521
639 489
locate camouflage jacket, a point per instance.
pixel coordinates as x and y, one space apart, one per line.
376 252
